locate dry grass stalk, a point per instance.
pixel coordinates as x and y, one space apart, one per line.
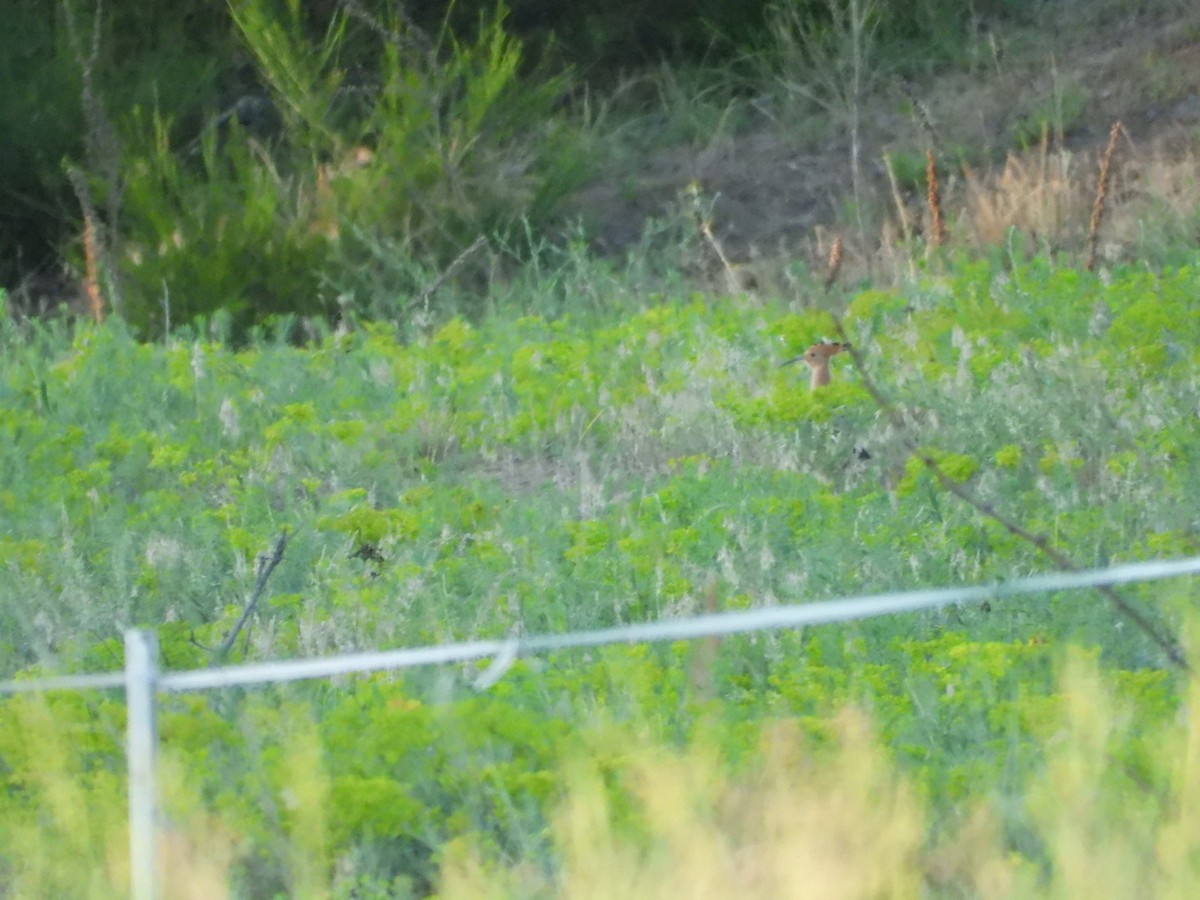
1101 194
901 209
731 278
835 262
451 270
1033 197
896 253
937 234
91 244
1044 154
704 224
921 111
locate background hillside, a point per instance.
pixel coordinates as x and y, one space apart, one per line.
331 159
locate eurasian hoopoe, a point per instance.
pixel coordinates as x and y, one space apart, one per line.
817 357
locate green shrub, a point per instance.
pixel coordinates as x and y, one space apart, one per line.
439 144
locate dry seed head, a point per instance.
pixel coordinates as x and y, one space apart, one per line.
1101 193
835 262
937 235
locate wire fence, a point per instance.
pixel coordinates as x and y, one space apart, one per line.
143 682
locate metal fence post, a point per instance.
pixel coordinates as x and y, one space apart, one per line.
141 686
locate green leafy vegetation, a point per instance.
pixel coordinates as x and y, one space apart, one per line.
610 465
347 303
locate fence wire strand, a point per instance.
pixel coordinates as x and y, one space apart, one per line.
504 651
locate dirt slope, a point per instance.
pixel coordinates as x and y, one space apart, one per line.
777 182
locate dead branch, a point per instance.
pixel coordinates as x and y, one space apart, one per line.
457 263
265 566
1164 642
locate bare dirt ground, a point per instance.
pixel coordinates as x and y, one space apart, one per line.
779 184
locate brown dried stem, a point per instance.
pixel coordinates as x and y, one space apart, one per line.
1101 194
937 235
104 160
704 224
92 235
836 252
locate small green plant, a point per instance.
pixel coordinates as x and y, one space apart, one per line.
1057 113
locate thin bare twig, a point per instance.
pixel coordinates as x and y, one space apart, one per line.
412 37
197 643
266 565
704 225
1163 641
456 264
921 111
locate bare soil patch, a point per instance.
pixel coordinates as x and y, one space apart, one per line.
778 184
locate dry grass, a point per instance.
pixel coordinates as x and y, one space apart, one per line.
933 196
1037 193
1142 202
840 821
1051 197
805 824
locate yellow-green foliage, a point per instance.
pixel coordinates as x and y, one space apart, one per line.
532 474
838 818
63 826
987 769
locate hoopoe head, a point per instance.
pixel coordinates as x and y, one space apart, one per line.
817 358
